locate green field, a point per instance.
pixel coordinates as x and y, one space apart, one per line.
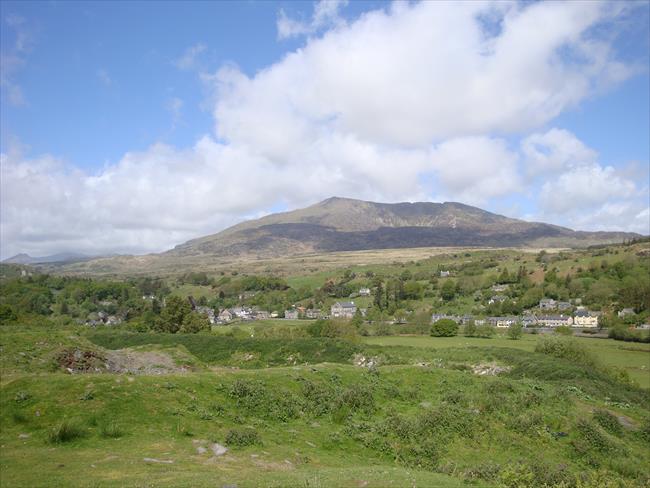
632 357
421 418
329 403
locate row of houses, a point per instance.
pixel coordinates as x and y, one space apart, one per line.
302 312
244 313
550 304
582 318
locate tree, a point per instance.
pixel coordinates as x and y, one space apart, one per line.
444 328
379 296
357 320
174 313
505 276
470 329
515 331
413 290
448 290
193 323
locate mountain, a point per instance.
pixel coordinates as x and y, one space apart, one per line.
64 257
343 224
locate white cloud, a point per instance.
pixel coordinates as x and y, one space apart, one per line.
555 150
377 109
189 59
589 196
326 14
152 200
582 188
474 169
424 72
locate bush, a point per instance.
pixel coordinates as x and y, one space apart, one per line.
66 431
623 333
565 348
242 437
591 438
515 331
608 421
564 330
485 331
470 329
444 328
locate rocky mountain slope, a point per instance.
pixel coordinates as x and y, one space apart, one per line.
342 224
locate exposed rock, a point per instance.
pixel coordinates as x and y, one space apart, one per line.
364 362
75 361
489 369
160 461
201 450
142 362
218 449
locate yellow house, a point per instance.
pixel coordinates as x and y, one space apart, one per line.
584 318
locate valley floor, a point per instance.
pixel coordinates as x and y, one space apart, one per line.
422 418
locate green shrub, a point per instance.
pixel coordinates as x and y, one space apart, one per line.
591 437
515 331
66 431
485 331
565 348
564 330
444 328
111 430
608 421
242 437
22 397
624 333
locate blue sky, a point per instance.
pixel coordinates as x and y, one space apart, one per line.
143 124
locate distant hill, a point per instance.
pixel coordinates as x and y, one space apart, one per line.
66 257
343 224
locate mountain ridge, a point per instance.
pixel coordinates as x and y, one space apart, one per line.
345 224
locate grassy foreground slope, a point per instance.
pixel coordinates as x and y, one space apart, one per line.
300 413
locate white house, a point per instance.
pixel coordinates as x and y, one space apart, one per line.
291 314
345 310
555 320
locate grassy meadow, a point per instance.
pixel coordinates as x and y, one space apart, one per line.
165 400
302 413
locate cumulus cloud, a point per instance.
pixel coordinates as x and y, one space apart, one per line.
152 200
582 192
326 14
555 150
406 103
190 57
431 70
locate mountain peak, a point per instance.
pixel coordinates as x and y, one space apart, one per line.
346 224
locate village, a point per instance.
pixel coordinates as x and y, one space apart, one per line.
548 314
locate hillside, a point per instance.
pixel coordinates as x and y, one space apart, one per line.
341 224
54 258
